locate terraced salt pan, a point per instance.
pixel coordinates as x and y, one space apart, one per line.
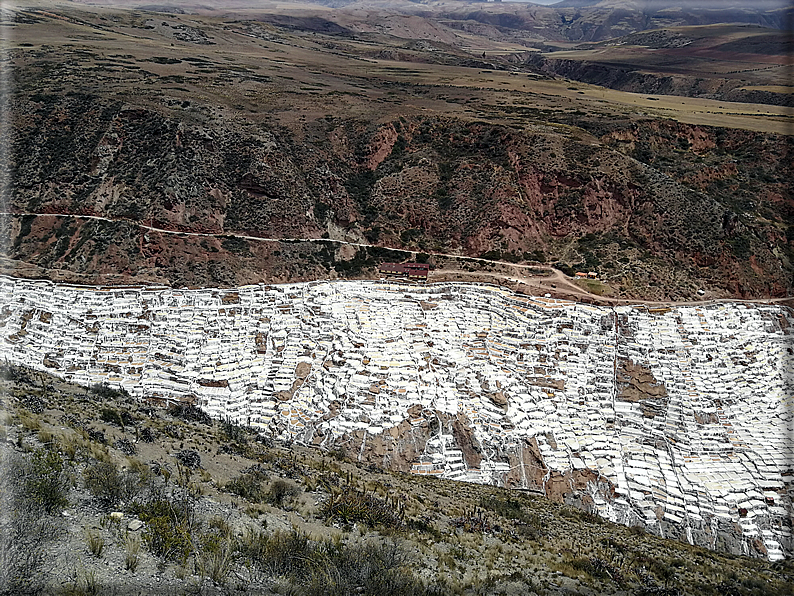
716 447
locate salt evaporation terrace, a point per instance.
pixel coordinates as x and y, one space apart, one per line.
712 448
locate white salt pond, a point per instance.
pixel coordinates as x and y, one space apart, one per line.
715 444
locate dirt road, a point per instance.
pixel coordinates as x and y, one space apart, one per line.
555 282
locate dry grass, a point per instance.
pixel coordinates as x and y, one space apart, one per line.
95 543
313 81
132 547
594 286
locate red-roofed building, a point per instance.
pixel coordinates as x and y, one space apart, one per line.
410 270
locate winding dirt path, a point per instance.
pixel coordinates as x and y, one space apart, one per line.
556 283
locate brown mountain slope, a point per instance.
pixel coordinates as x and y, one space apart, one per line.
429 184
234 128
731 62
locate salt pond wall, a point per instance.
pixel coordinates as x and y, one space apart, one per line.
680 419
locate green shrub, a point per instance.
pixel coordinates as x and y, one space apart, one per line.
111 416
190 413
330 567
234 439
170 523
115 417
282 553
168 538
280 491
110 486
508 508
597 568
105 483
248 486
365 568
527 525
352 505
45 480
106 392
25 529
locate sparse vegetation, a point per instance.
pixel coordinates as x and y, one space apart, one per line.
216 551
45 480
95 543
249 486
170 525
483 540
281 491
190 413
85 583
352 505
189 458
28 489
132 546
330 567
109 485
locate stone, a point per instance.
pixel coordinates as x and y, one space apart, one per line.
498 398
135 525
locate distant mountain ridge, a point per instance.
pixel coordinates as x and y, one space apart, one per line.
571 20
674 4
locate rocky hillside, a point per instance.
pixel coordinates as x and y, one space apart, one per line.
736 63
635 79
669 201
299 141
103 494
130 127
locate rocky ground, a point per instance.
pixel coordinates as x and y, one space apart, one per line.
106 495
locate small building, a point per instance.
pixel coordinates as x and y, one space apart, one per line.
392 268
417 270
581 275
410 270
592 274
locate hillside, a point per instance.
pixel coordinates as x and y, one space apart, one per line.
737 63
295 129
142 498
674 418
